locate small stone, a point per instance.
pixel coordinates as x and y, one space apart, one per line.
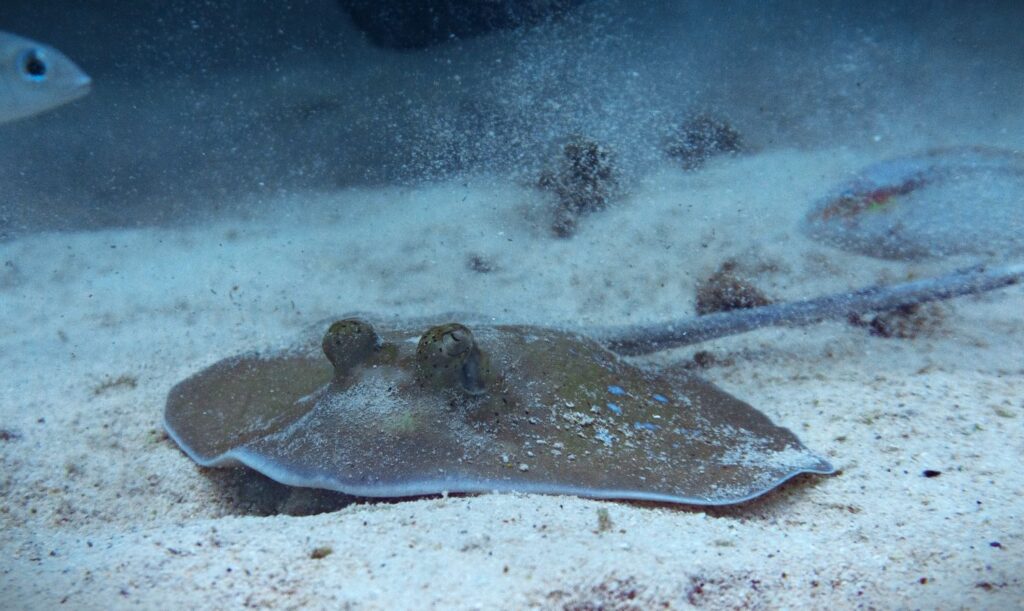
321 552
479 264
724 291
700 138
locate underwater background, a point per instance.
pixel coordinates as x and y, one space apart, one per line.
200 102
242 172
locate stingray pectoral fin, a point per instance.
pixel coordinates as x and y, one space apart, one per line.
744 453
240 399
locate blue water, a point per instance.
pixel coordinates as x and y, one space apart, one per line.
194 105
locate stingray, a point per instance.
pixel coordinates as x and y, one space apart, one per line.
953 201
397 409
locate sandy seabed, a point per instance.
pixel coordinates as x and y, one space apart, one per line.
99 509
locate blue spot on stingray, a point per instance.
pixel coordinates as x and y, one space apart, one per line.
660 399
604 436
616 390
615 408
646 426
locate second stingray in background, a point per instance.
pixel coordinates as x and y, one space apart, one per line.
965 200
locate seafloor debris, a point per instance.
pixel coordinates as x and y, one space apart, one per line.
705 359
906 322
700 138
479 264
321 552
724 290
584 181
124 381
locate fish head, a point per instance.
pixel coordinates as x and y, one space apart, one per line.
35 77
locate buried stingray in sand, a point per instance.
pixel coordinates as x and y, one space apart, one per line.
400 409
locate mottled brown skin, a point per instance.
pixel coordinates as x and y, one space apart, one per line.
498 408
447 357
348 343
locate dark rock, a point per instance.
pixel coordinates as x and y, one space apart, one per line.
700 138
702 359
415 24
723 291
8 435
584 182
906 322
321 552
479 264
705 359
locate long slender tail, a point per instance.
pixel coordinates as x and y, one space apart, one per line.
644 339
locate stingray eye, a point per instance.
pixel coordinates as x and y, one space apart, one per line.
449 357
349 341
32 65
445 345
456 341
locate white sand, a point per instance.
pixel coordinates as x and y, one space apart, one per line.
98 508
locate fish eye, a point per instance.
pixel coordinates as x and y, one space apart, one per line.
33 65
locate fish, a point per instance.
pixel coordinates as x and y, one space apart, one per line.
35 78
394 409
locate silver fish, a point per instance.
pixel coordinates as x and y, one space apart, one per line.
35 77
